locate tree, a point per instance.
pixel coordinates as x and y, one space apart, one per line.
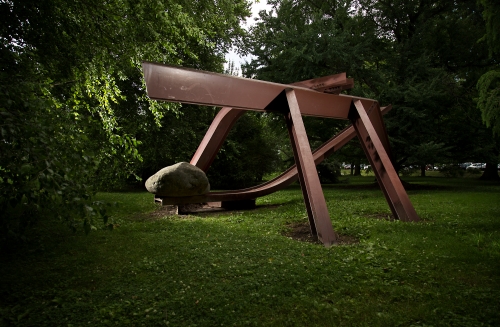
489 99
420 56
72 98
247 155
489 83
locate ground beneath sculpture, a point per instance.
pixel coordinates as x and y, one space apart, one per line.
201 209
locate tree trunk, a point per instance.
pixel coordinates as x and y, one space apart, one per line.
490 172
422 170
352 169
357 169
398 164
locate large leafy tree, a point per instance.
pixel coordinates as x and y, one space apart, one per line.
436 65
432 63
489 83
422 56
302 39
71 97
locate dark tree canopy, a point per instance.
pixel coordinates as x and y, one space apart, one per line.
423 57
489 84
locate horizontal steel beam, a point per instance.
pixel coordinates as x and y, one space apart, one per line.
176 84
227 117
328 84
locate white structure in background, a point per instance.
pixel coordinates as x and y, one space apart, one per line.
232 55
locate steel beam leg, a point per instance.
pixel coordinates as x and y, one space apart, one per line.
375 150
215 136
314 198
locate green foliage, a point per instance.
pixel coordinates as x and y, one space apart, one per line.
302 40
72 98
489 83
328 171
165 141
408 170
237 268
249 153
474 171
420 56
489 99
452 170
491 14
429 152
37 174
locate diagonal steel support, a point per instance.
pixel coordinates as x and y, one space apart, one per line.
373 145
215 137
314 198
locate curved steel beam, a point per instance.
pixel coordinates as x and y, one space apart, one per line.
280 182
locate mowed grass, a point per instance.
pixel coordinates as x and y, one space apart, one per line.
237 268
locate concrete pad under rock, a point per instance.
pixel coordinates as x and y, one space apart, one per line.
181 179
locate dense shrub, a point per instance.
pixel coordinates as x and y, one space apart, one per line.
328 172
248 154
452 170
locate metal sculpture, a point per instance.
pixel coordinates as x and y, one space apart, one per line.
317 97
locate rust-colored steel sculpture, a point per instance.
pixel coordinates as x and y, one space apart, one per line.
317 97
280 182
227 117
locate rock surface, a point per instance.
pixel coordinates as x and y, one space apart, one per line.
181 179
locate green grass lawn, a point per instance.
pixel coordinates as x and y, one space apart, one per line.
238 268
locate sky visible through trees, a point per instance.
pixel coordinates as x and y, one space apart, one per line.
233 56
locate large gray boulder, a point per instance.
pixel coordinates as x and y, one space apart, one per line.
181 179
